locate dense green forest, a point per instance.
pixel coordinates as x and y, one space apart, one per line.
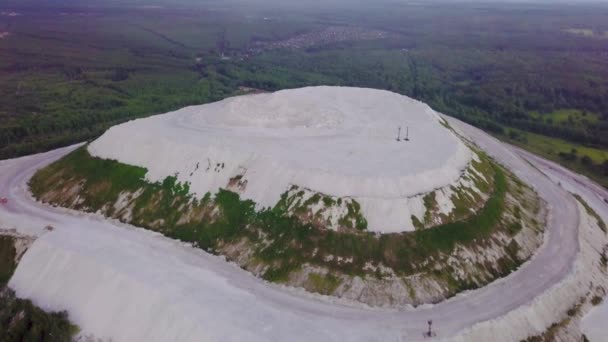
533 74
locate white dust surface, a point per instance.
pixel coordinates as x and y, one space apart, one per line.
338 141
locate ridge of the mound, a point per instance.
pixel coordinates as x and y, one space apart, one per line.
337 141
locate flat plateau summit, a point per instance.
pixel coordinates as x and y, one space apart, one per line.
336 141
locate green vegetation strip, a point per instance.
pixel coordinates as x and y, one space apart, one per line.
324 284
590 211
7 259
279 240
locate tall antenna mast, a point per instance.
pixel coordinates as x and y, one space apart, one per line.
407 133
399 134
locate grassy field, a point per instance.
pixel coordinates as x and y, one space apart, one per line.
566 153
567 117
552 147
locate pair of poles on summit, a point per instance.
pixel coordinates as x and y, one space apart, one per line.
407 134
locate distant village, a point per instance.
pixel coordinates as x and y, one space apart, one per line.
330 35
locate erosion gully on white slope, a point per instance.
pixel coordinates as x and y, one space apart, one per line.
130 284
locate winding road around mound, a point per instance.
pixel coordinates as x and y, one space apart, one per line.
184 294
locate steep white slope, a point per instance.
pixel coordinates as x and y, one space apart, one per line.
334 140
594 324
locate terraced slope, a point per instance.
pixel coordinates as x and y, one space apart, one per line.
293 243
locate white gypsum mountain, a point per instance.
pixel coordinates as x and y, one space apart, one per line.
337 141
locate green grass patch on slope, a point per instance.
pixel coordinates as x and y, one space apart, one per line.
324 284
110 177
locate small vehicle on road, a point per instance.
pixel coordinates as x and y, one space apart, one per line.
3 200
